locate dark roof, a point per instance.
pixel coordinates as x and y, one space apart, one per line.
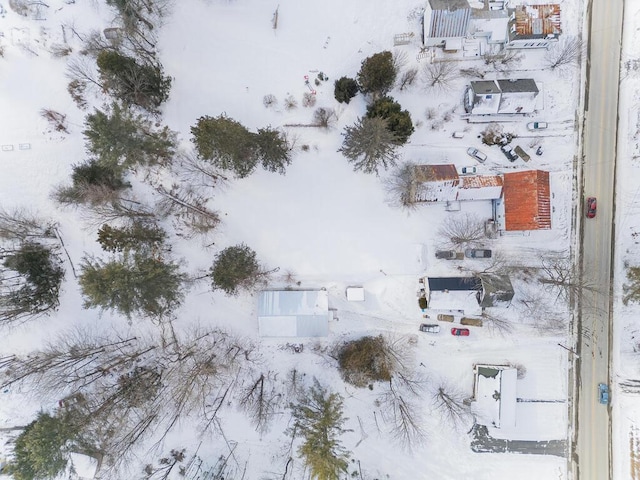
449 18
440 284
430 173
519 85
496 288
483 87
527 202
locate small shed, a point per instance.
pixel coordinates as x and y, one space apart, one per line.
496 289
293 313
494 391
355 294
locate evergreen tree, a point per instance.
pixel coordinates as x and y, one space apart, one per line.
40 450
132 284
398 120
236 268
369 145
92 183
131 82
318 419
120 139
344 89
377 74
137 236
227 143
37 289
272 150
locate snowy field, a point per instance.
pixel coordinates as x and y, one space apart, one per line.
329 226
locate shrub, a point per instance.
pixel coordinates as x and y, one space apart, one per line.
308 99
365 360
345 89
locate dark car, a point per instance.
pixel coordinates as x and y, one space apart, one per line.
592 205
429 328
603 394
477 253
460 332
448 255
509 152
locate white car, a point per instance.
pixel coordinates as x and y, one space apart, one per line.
468 170
537 125
477 154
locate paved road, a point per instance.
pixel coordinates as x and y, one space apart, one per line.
593 447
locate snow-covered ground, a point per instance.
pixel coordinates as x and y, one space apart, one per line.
331 227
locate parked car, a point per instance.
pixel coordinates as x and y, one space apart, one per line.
592 205
603 394
460 332
476 154
509 152
449 255
429 328
537 125
468 170
477 253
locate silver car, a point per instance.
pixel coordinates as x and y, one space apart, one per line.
476 154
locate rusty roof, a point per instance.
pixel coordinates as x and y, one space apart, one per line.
479 181
537 21
429 173
527 202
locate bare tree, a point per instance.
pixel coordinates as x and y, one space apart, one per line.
539 311
450 404
56 119
198 172
324 117
189 207
407 78
496 322
462 230
567 52
260 399
440 76
401 414
559 275
504 60
22 225
402 187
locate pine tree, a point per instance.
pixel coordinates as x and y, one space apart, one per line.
120 139
40 450
318 419
131 82
377 74
236 268
272 150
369 145
131 284
137 236
344 89
227 143
398 120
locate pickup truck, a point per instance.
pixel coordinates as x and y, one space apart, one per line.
449 255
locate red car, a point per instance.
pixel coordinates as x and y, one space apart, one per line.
460 332
592 204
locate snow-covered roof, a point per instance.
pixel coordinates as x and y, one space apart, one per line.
480 187
293 313
84 466
355 294
495 395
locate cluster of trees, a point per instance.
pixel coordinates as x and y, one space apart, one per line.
230 146
372 142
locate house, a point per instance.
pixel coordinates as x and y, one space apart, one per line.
494 391
489 23
526 202
446 23
466 294
293 313
534 26
442 183
495 289
504 97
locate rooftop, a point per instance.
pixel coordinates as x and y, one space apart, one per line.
527 202
536 21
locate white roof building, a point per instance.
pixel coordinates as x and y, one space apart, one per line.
495 394
293 313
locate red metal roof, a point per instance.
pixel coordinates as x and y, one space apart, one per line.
527 202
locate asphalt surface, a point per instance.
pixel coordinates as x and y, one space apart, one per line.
593 429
